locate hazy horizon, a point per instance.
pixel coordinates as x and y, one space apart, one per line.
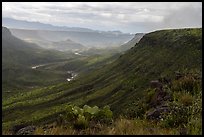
128 17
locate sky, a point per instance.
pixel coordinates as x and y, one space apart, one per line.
128 17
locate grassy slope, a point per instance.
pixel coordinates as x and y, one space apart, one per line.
119 84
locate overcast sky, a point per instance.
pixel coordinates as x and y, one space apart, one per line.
131 17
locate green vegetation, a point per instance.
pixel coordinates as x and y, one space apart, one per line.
17 72
81 118
123 84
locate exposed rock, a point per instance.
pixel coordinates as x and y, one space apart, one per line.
161 95
178 75
156 113
166 81
156 84
29 130
16 128
159 98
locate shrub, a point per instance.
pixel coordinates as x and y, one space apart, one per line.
150 93
178 116
81 117
67 116
187 83
186 99
194 125
81 122
137 109
105 115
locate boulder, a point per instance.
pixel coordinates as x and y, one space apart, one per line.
29 130
16 128
156 84
159 98
165 80
155 114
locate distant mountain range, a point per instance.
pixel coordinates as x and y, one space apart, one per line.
22 24
45 34
88 39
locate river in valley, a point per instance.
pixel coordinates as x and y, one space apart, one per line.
71 74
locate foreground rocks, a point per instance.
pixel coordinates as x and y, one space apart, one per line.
29 130
158 101
157 112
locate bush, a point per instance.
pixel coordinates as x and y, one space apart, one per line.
81 122
105 115
137 109
67 116
178 116
150 93
186 99
194 125
187 83
81 117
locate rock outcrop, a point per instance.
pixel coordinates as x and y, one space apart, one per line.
158 101
29 130
156 113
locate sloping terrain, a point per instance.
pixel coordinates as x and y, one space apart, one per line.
19 56
120 84
67 45
132 42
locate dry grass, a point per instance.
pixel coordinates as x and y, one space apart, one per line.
120 127
55 130
139 127
7 132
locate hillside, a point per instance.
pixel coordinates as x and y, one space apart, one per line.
19 73
121 84
67 45
132 42
19 56
24 52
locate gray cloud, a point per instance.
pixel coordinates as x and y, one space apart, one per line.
126 16
184 17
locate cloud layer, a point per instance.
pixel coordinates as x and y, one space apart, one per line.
130 17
